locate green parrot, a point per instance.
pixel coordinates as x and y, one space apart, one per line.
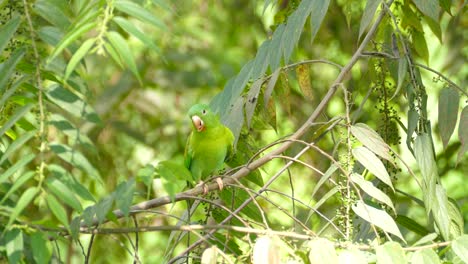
209 144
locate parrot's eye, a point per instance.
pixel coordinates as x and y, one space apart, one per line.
203 112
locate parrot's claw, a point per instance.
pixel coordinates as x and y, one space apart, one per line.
220 183
204 186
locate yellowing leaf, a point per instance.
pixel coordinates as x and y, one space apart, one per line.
303 78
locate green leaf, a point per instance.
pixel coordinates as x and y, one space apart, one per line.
369 138
7 30
369 160
413 119
261 61
41 252
425 159
74 135
460 247
121 47
427 239
411 225
138 12
66 195
377 217
402 72
14 245
15 117
17 166
75 158
23 201
124 196
425 256
353 256
463 133
57 209
11 90
133 30
51 11
175 176
252 100
456 219
20 181
146 174
78 56
16 144
446 5
324 178
270 86
241 80
420 45
70 37
389 253
8 66
317 14
71 103
368 16
113 53
276 46
65 177
429 8
235 118
371 190
441 213
104 207
321 249
448 113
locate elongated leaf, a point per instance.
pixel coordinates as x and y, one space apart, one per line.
133 30
463 133
427 239
70 37
20 181
413 119
174 175
368 16
252 100
15 117
261 61
71 103
303 77
429 8
270 86
369 138
420 45
121 47
7 67
276 46
23 201
66 195
441 213
448 113
104 207
389 253
425 158
41 251
65 177
57 209
14 245
369 160
317 14
11 90
78 56
17 166
73 133
371 190
17 144
7 30
411 225
138 12
425 256
235 119
75 158
460 247
377 217
124 195
321 249
324 178
456 219
402 72
52 12
241 80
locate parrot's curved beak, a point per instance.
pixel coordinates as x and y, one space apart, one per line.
198 123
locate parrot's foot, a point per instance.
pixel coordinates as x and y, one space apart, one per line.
220 183
204 186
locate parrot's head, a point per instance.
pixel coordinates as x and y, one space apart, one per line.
202 117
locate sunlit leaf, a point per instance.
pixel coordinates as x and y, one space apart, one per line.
133 30
390 253
426 239
121 47
425 159
463 133
369 138
25 199
353 256
14 245
429 8
252 100
371 190
7 30
19 182
324 178
440 212
138 12
8 66
57 209
70 37
420 45
460 247
369 160
66 195
425 256
377 217
448 113
78 56
40 249
368 16
321 249
52 12
210 255
303 77
265 250
17 144
17 166
456 219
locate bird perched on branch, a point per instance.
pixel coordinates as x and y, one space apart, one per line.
209 144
